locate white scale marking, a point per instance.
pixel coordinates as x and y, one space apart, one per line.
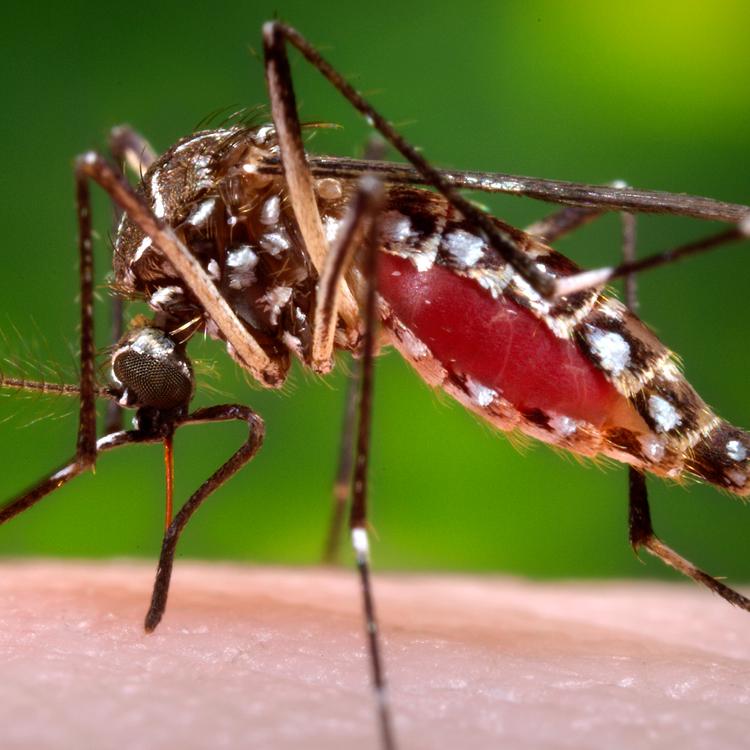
275 299
562 425
241 263
466 248
164 296
331 227
610 348
535 302
153 346
145 245
480 394
736 451
653 448
218 135
274 242
62 474
201 212
361 544
395 227
262 134
495 281
159 210
663 413
414 347
271 211
107 440
203 173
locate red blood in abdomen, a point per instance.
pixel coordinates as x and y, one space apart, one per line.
497 342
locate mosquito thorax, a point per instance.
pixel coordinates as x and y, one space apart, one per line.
151 369
213 189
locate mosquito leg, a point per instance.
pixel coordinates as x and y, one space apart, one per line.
567 220
642 535
362 210
611 197
343 482
601 276
641 529
297 175
127 148
560 223
329 291
358 515
130 147
499 236
86 444
44 386
70 470
238 459
629 237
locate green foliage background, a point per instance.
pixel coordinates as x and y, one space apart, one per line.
655 94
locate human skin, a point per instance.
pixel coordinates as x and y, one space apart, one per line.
275 658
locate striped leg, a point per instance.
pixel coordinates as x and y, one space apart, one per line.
358 516
641 530
642 535
331 293
86 445
343 480
127 147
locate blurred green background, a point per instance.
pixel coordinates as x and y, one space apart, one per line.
656 94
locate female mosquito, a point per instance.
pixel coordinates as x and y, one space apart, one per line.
236 232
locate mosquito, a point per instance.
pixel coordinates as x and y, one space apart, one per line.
238 233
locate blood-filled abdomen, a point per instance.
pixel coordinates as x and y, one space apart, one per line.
499 344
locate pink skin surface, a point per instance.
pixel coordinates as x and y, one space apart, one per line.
275 658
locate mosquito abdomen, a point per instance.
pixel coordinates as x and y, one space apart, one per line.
581 373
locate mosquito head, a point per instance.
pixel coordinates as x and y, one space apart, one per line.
152 370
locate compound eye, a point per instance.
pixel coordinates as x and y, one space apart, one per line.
153 369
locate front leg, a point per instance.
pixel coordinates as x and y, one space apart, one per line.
230 467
